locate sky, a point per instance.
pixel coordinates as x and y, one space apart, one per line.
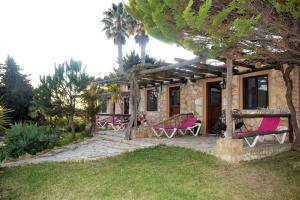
40 33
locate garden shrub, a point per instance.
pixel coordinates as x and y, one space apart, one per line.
79 126
2 153
29 138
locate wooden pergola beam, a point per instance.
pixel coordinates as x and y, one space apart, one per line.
268 67
170 67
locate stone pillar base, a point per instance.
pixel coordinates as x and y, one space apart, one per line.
140 133
230 150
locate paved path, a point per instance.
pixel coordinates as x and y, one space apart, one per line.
100 146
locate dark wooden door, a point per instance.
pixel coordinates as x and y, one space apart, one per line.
126 106
214 104
174 97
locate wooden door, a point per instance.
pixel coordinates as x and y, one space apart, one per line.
126 106
214 104
174 103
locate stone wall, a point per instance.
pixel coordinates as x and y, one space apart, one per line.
235 151
162 113
191 98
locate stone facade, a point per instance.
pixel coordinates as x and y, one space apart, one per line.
162 112
296 92
235 151
193 97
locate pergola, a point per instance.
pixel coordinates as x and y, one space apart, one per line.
186 70
147 75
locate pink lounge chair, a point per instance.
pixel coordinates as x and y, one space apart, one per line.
103 122
186 126
268 126
118 125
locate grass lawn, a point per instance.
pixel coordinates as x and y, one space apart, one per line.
156 173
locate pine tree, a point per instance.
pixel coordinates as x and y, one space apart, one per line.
15 90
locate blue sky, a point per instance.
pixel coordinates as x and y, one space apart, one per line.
40 33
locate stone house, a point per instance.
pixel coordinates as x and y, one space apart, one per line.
193 86
252 91
206 99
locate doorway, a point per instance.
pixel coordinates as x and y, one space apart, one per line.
126 106
214 104
174 103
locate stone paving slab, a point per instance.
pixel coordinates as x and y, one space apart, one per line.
91 149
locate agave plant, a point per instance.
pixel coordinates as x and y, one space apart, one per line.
4 117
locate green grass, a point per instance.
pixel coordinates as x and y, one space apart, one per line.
156 173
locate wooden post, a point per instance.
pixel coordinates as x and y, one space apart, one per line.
229 127
291 131
134 102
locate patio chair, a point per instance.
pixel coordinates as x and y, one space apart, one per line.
268 126
118 125
102 123
186 126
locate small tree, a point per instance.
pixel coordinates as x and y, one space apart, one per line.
93 100
43 101
64 90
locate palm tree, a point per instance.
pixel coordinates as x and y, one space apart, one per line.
115 28
133 58
142 39
116 95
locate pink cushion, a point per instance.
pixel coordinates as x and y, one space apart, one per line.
188 123
268 124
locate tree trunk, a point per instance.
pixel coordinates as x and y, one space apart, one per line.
229 126
120 57
134 103
71 122
289 99
114 112
143 53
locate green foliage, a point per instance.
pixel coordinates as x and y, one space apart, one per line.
79 126
93 100
29 138
64 90
212 28
2 153
115 24
66 138
289 6
133 59
15 90
43 101
4 117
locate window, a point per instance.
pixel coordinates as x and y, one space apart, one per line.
255 92
151 100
